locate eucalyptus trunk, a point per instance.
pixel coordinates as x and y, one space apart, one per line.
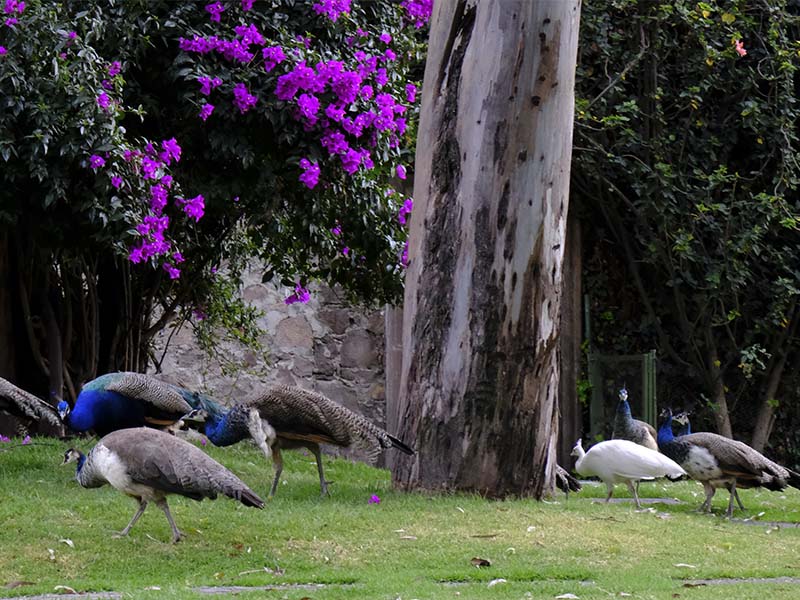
480 376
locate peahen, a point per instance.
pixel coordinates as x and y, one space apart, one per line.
122 399
25 406
285 417
720 462
628 428
148 464
623 461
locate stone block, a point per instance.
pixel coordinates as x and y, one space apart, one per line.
293 334
358 350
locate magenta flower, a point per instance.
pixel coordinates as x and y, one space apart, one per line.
404 256
11 21
301 295
114 68
215 10
103 100
178 257
26 440
401 172
96 161
3 50
116 181
195 207
174 272
167 180
309 107
242 99
405 210
207 84
418 11
332 8
203 440
4 438
171 151
345 250
150 168
199 315
337 231
246 5
158 198
310 176
351 161
374 499
14 6
272 56
206 110
386 38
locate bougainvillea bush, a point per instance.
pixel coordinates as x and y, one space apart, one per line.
150 149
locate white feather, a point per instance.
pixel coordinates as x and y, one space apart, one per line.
622 461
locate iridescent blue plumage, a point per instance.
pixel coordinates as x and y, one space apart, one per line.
122 400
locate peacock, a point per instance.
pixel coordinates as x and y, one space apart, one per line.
147 465
623 461
285 417
682 419
25 406
720 462
628 428
122 399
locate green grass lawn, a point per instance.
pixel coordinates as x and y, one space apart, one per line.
54 533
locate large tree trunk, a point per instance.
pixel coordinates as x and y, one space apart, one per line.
480 375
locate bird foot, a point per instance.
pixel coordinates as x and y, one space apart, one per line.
177 537
119 534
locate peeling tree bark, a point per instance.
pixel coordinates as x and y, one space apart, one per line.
480 377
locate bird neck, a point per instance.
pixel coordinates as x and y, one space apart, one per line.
624 408
579 453
227 428
665 431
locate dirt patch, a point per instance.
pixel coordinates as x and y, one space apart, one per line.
78 596
235 589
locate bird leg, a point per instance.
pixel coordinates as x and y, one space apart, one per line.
738 500
730 502
610 488
323 485
634 489
176 533
277 463
710 491
142 506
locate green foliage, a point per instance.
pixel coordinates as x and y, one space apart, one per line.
687 151
409 545
72 230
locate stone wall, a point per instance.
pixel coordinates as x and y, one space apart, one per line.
325 345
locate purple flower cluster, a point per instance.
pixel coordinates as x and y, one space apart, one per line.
114 68
418 11
103 101
310 176
207 84
332 8
272 57
242 99
206 110
95 161
405 210
215 10
194 207
300 294
11 8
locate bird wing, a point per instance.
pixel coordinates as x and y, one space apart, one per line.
146 388
734 458
24 404
172 465
304 412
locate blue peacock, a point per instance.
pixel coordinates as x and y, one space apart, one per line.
720 462
284 417
123 399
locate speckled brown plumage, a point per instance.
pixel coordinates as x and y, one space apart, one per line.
19 403
304 418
